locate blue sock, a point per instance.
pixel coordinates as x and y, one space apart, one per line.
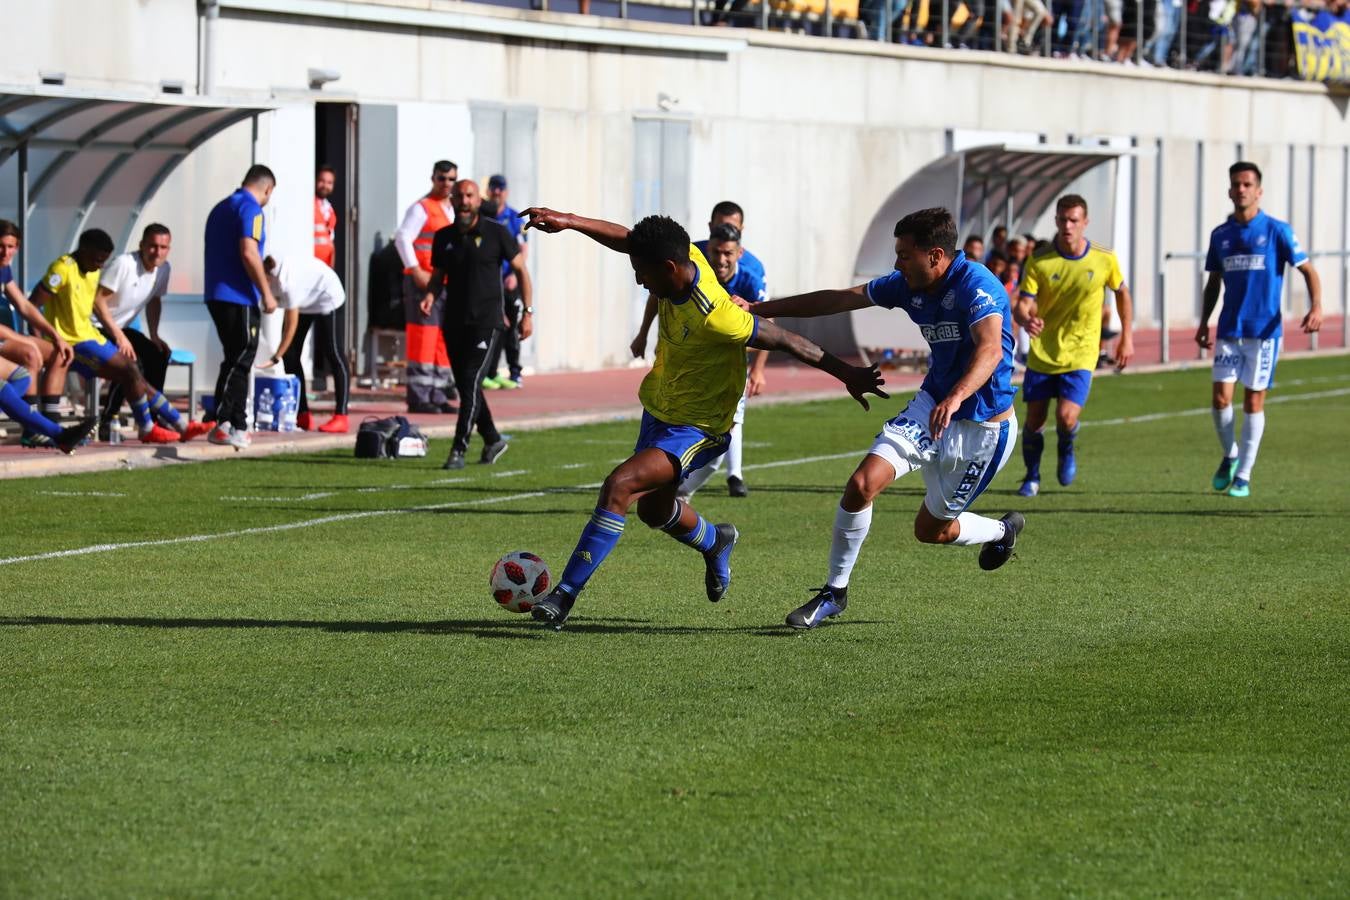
1033 445
164 411
1066 439
17 408
701 537
141 410
21 381
599 536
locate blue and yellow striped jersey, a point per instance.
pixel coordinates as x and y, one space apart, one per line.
699 373
1069 291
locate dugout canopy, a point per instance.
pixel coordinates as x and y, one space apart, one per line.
71 161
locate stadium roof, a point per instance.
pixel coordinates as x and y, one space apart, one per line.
72 160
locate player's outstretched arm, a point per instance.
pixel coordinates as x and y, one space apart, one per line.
859 380
550 221
815 303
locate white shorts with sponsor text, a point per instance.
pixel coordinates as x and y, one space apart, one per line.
1248 360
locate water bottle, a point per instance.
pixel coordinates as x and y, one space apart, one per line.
279 407
264 411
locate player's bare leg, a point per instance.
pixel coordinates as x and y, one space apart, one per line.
15 378
1225 426
147 403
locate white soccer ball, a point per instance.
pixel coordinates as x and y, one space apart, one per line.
518 579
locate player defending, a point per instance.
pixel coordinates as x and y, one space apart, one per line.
688 398
1060 306
1247 256
958 431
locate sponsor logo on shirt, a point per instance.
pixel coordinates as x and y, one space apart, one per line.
949 300
941 332
1245 262
54 281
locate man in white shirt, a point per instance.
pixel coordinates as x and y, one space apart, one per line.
132 284
311 294
430 387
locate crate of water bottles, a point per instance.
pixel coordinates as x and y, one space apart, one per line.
276 402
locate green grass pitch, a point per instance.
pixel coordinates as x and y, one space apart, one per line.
1153 698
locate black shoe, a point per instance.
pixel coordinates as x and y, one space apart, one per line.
446 407
554 609
73 436
492 452
717 577
996 553
736 487
104 432
455 460
826 604
423 408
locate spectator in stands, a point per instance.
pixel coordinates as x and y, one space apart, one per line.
1024 19
69 291
1219 28
311 294
235 288
1017 250
997 262
998 241
130 285
1086 19
325 217
428 387
1115 15
1248 34
503 214
1166 23
974 248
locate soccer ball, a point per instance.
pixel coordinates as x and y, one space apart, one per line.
518 579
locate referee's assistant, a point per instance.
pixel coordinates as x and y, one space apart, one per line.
466 259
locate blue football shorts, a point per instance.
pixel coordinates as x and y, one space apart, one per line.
1072 386
692 448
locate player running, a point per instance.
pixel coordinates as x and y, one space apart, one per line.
1060 306
1247 256
689 398
958 431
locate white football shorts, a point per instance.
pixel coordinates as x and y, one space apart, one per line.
958 466
1248 360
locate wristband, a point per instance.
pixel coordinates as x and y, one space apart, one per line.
529 310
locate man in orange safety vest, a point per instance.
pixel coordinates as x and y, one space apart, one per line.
429 384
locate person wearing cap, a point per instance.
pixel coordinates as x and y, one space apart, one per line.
508 217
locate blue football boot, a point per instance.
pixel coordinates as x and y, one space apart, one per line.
717 578
1223 476
826 604
1241 487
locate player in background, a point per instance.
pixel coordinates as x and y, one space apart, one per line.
729 212
69 291
1060 307
958 431
505 215
723 252
1246 258
311 293
689 398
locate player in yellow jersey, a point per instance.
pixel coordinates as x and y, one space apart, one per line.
1060 306
688 398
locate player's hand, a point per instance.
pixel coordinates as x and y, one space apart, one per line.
1202 336
269 303
741 302
941 416
124 347
1035 325
427 303
65 354
162 344
865 380
1124 351
510 281
268 363
526 325
754 384
1312 322
639 346
549 221
420 279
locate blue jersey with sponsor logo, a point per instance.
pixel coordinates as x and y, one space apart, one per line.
945 313
1252 258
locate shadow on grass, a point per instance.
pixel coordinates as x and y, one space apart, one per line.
522 628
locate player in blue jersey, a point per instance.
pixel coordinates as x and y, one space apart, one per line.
958 431
728 212
688 399
1246 258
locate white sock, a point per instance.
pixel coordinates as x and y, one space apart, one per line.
977 530
1225 426
850 530
733 454
1253 425
699 477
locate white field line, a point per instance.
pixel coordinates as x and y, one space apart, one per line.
82 493
376 513
510 473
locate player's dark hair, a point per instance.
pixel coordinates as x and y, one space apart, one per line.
727 208
96 240
154 230
1000 230
1245 166
1069 201
269 263
325 167
658 239
443 165
259 176
928 229
9 229
1041 246
998 255
725 232
974 237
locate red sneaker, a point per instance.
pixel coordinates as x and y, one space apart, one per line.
196 430
158 434
305 421
336 425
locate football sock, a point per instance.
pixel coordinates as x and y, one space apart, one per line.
141 410
734 448
977 530
1253 425
1225 426
850 530
164 411
701 537
599 536
21 381
1033 445
1066 439
14 406
699 477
